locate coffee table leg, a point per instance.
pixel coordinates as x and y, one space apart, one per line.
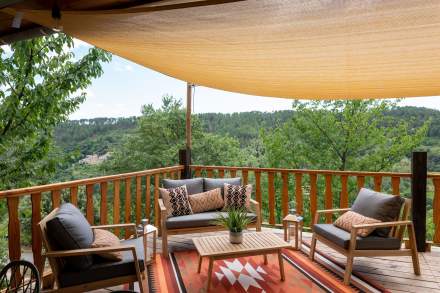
280 260
200 264
211 264
265 259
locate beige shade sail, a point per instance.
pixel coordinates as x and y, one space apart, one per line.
317 49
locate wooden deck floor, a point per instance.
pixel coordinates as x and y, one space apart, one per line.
395 274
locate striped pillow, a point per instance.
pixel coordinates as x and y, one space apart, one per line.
206 201
350 218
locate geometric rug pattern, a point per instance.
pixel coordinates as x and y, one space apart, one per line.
178 273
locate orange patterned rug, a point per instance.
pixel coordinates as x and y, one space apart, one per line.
178 273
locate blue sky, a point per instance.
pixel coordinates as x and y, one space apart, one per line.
125 87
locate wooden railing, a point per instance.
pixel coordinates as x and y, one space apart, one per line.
323 189
131 197
143 184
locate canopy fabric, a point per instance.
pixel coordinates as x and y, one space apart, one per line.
317 49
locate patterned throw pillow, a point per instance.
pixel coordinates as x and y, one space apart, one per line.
104 238
237 196
206 201
176 201
350 218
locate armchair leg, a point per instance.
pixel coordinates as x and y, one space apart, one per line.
414 253
313 247
348 270
164 243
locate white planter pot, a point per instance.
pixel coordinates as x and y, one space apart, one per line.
235 237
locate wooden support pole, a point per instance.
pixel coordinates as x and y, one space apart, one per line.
418 191
189 88
185 160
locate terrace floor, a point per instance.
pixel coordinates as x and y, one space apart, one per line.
393 273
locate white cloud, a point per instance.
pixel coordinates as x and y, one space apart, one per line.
121 67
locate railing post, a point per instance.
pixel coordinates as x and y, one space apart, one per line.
418 191
185 160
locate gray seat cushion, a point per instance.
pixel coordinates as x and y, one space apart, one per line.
342 238
379 206
104 270
68 230
193 186
198 220
213 183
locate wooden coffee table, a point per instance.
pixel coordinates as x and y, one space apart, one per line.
254 243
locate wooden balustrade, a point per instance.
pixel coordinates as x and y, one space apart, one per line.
132 196
316 189
83 191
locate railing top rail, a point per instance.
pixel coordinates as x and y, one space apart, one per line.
322 172
86 181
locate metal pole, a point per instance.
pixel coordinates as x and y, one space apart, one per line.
189 88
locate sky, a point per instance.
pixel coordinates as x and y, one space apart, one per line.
125 87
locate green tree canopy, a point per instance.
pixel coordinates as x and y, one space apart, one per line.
41 83
342 135
160 135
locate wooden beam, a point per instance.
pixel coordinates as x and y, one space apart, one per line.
418 191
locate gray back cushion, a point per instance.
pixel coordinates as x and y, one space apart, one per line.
211 183
193 186
380 206
67 230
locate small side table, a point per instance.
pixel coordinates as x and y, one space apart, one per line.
150 230
295 222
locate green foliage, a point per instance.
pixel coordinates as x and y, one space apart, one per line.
41 83
342 135
159 136
236 220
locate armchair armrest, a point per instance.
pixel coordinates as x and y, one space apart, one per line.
255 206
116 226
332 211
88 251
382 225
162 207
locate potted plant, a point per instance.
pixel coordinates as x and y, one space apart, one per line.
235 220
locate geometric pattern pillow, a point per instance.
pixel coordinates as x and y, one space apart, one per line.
237 196
104 238
176 201
350 218
206 201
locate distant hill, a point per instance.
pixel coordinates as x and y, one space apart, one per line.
99 136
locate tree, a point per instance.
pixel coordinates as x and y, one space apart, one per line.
160 135
342 135
41 83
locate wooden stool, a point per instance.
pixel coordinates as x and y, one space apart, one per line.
297 223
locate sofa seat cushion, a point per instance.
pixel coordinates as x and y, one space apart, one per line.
193 186
198 220
342 238
213 183
68 230
104 270
379 206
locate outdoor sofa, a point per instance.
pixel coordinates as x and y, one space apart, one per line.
199 222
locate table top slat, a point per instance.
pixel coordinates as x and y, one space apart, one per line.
252 242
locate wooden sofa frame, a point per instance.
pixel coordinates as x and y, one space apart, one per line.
164 231
52 256
397 230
